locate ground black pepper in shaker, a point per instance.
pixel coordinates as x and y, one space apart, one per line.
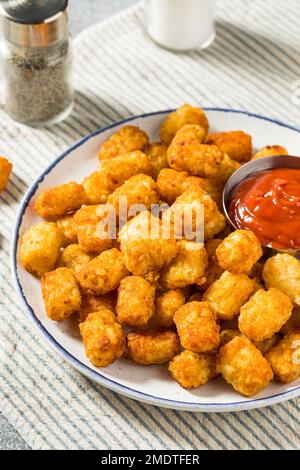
36 60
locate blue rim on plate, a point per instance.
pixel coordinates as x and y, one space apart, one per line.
84 369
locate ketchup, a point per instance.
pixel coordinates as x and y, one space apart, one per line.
268 204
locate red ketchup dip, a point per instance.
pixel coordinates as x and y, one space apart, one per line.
268 203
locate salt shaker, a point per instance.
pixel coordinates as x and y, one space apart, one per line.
181 24
36 61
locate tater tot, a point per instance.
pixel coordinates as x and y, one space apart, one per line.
264 314
127 139
68 229
191 212
166 305
270 151
171 184
92 230
193 370
97 188
103 338
243 366
104 273
74 258
283 272
214 270
5 170
92 303
153 346
135 305
187 268
266 345
121 168
292 323
143 246
236 144
139 189
228 335
186 114
60 200
285 358
39 248
61 294
157 153
197 327
228 294
239 252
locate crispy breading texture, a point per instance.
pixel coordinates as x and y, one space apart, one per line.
92 229
74 258
68 229
270 151
5 170
121 168
293 323
92 303
166 305
214 270
61 294
193 370
264 314
153 346
139 189
187 268
39 248
186 114
243 366
236 144
103 338
127 139
266 345
228 294
60 200
97 188
143 246
228 335
104 273
135 305
239 252
171 184
157 153
283 272
197 327
285 358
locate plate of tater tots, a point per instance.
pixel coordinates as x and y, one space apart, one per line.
198 320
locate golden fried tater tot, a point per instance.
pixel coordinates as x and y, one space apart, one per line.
127 139
214 270
135 305
236 144
157 153
92 229
61 294
39 248
97 188
239 252
197 327
187 268
93 303
283 272
266 345
171 184
5 170
228 294
270 151
139 189
264 314
285 358
293 323
166 305
193 370
143 246
103 338
121 168
74 258
228 335
68 229
243 366
60 200
104 273
153 346
186 114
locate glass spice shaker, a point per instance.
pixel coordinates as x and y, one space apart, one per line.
36 59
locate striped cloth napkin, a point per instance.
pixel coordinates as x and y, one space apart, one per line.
252 65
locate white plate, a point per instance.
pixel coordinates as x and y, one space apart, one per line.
148 384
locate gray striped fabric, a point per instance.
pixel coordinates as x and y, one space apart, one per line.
253 65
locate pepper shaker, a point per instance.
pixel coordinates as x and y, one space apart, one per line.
36 61
181 25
